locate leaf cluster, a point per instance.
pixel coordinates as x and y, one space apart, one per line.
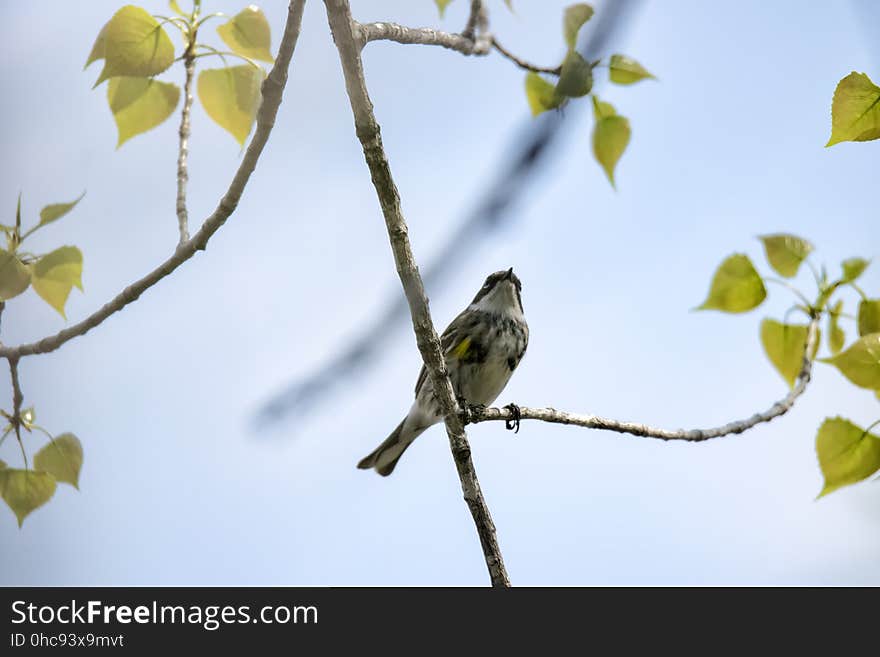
135 47
611 131
58 461
847 454
52 275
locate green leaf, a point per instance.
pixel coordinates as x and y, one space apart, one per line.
509 4
860 363
869 316
602 109
610 138
55 274
248 34
574 18
627 71
441 6
853 268
176 8
15 276
25 490
97 51
784 345
62 458
541 94
133 44
140 104
855 110
231 96
836 336
736 287
55 211
576 76
785 252
847 453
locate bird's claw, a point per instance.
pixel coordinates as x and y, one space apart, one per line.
469 412
516 415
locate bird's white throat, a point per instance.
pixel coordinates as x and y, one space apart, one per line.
502 299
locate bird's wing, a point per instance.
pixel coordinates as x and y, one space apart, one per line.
451 338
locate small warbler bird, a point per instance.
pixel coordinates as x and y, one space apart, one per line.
483 345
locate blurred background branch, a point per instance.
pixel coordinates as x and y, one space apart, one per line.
531 149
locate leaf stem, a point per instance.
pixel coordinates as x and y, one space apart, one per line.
223 53
792 288
859 290
815 272
216 14
870 426
522 63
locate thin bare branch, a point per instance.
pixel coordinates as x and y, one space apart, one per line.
189 64
17 399
477 22
692 435
343 28
272 90
523 63
426 36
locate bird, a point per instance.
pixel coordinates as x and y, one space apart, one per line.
482 347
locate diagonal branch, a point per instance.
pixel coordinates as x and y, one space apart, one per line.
528 151
781 407
343 29
554 70
189 64
272 90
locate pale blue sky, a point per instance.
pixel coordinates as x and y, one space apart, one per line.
177 489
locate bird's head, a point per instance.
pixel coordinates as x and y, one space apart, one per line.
501 293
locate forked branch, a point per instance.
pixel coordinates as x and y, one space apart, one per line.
272 90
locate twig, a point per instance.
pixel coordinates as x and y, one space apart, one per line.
343 29
523 63
272 90
477 20
426 36
17 399
692 435
189 64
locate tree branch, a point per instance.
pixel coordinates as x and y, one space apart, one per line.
426 36
272 90
523 63
478 21
344 31
189 64
692 435
17 399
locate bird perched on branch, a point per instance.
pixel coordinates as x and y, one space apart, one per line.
482 346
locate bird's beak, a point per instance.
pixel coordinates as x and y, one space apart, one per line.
509 274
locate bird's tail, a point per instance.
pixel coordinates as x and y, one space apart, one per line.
385 457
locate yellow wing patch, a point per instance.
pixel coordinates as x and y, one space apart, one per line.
461 351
